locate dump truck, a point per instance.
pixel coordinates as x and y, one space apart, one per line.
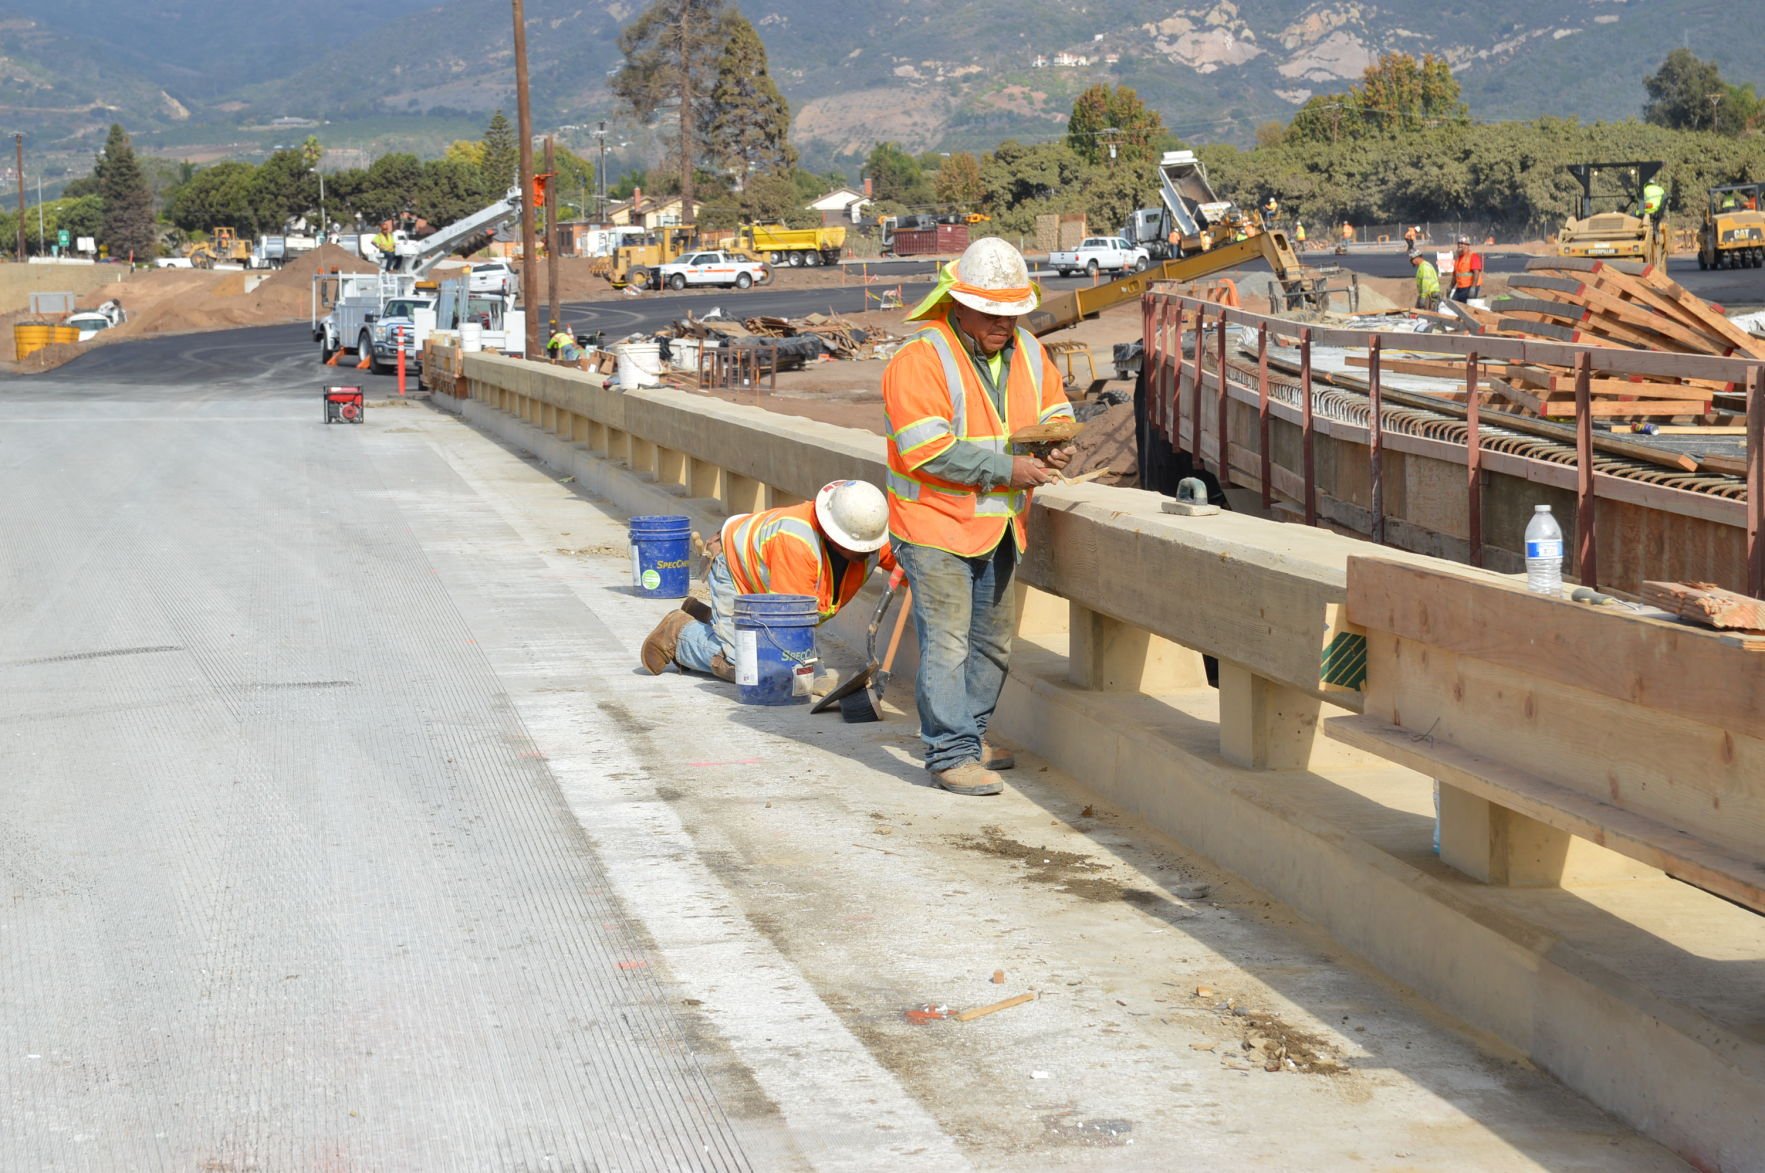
1193 218
797 247
1732 235
1610 224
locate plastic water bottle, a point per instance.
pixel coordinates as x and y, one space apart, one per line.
1544 553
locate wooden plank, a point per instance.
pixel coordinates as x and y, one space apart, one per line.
1707 605
1647 390
1739 339
1601 408
1685 855
1626 319
1442 369
1617 653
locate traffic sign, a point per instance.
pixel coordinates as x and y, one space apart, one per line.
62 238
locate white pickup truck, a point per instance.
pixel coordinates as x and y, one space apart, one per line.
1099 254
713 268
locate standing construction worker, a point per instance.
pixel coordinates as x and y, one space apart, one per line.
1427 282
1467 271
387 245
1653 197
1411 236
821 548
1270 210
959 499
1299 234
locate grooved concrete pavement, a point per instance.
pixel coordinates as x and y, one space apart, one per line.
338 831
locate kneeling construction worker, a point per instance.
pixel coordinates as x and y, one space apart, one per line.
825 548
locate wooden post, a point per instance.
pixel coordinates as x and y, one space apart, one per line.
1224 471
1262 416
1376 437
1195 388
524 128
1587 557
1473 461
1308 436
1175 357
1111 656
551 239
1756 484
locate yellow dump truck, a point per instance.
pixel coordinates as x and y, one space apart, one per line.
796 247
1732 235
1625 229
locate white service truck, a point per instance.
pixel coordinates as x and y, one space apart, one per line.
1099 254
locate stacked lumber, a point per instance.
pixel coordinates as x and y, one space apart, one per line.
1607 304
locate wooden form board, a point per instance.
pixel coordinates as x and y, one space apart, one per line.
1657 720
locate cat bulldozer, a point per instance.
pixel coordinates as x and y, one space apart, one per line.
224 247
635 264
1732 235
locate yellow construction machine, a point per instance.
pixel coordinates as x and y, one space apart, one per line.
223 247
1624 230
1732 235
635 263
1299 286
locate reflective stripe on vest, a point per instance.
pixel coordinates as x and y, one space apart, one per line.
747 548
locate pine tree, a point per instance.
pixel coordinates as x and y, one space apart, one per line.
751 122
671 53
500 162
128 227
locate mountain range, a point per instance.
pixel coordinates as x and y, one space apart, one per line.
203 79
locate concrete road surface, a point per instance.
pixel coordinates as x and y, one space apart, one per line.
339 831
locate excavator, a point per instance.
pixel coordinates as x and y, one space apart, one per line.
223 247
1623 232
1299 286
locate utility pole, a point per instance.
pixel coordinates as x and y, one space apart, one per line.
600 178
18 141
529 247
551 238
40 246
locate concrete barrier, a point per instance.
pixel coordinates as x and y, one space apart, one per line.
1639 991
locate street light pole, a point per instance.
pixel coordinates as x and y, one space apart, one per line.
529 247
18 141
600 177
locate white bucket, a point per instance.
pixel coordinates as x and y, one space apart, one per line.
471 336
640 365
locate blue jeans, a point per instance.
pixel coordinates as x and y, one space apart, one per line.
700 641
965 612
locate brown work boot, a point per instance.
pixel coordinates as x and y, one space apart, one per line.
697 608
658 647
970 778
995 758
722 669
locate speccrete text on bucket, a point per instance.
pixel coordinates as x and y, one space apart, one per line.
661 556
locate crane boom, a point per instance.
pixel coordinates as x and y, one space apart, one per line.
1070 308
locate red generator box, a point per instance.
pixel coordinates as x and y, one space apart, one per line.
344 405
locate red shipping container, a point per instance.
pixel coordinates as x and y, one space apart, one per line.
919 242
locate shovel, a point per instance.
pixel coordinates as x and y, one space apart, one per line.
859 707
860 681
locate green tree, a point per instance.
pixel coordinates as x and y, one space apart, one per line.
284 188
1103 116
958 181
128 227
750 122
1688 93
1397 93
499 157
466 150
895 175
221 194
671 52
393 183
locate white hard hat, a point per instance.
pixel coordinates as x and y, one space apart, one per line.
991 277
855 514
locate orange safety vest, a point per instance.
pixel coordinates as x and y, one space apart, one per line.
780 552
1467 271
933 397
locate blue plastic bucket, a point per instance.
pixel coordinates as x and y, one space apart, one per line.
661 556
775 648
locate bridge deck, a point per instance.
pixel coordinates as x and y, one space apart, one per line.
337 831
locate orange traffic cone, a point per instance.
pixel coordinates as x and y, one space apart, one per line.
335 355
367 361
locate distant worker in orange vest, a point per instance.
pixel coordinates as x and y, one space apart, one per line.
825 549
959 498
1347 232
1467 271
